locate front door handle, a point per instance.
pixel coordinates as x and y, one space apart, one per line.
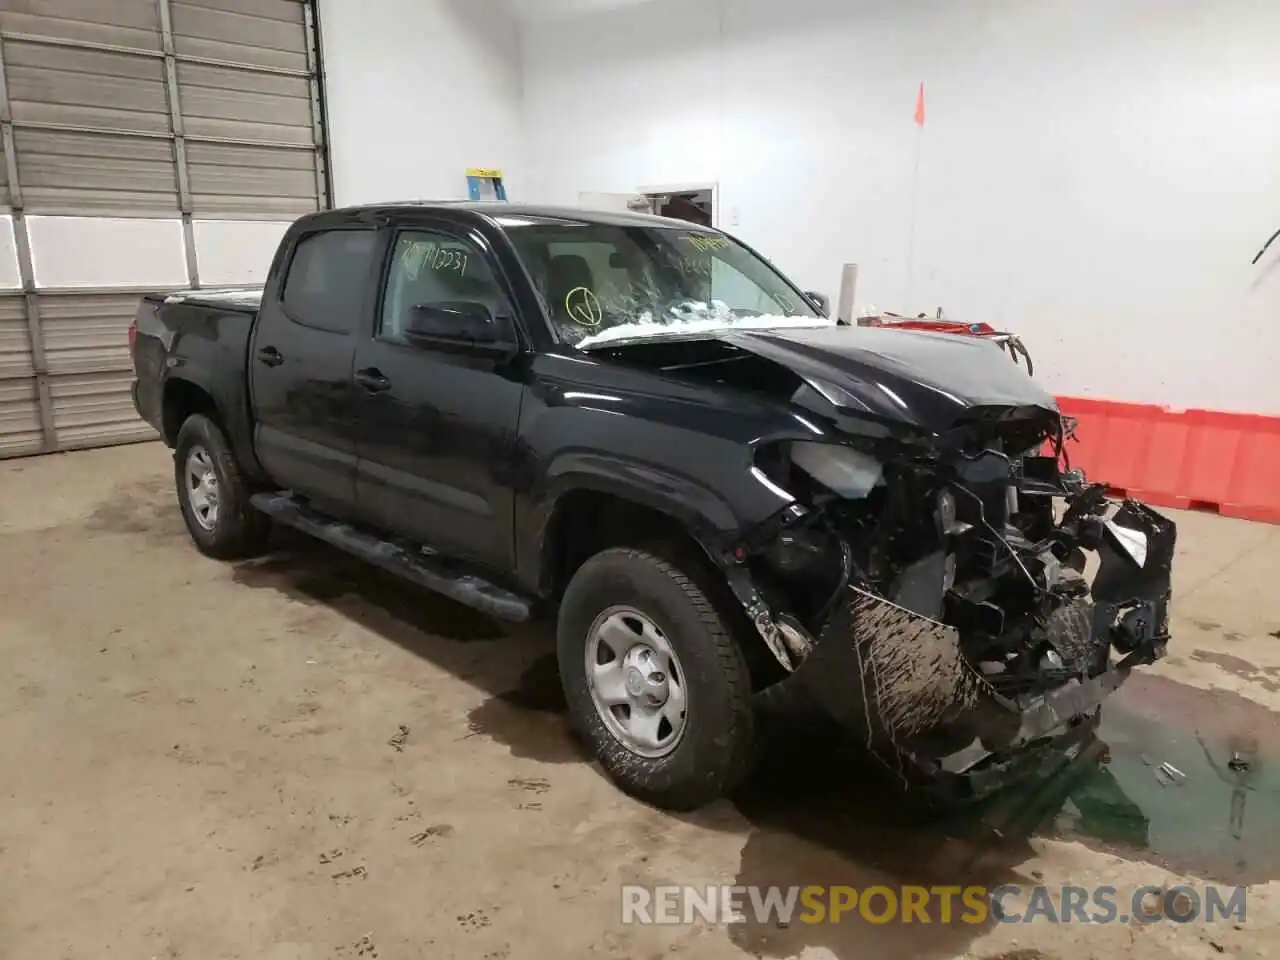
371 379
271 356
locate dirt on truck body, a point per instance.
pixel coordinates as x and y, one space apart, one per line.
723 496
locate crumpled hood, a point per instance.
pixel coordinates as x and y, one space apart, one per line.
928 380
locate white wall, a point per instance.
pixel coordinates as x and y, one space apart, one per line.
1094 175
417 91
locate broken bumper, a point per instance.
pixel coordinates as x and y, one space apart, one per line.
898 680
1052 723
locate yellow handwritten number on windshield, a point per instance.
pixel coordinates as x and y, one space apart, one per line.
583 307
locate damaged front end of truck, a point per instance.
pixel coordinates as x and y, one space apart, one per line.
941 612
927 586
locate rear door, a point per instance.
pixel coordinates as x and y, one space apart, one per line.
300 363
437 429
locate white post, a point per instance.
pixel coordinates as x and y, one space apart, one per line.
848 283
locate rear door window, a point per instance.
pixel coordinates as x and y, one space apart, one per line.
325 286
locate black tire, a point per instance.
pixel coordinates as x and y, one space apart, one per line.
715 749
237 530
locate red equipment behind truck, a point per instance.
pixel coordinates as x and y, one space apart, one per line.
1008 342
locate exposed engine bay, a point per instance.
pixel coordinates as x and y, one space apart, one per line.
926 584
959 577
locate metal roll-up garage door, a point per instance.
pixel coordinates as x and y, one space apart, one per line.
147 145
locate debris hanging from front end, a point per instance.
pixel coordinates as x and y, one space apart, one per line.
912 672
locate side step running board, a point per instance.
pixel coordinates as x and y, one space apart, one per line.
396 557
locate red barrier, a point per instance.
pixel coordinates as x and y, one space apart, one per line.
1199 459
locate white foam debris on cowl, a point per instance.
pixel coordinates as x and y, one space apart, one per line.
699 318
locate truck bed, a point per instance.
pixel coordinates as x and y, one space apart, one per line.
199 339
237 299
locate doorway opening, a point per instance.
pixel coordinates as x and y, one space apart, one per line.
692 202
694 206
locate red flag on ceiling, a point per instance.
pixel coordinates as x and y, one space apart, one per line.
920 105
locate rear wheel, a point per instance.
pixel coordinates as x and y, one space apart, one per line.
655 683
213 494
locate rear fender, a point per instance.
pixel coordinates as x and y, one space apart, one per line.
232 408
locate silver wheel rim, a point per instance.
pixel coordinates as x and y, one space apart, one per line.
636 682
201 487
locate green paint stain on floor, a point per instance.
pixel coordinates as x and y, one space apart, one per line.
1215 820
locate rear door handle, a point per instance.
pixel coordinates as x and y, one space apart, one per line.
271 356
371 379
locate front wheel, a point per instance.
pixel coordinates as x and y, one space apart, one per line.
655 682
213 494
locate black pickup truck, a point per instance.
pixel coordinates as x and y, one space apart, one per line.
640 427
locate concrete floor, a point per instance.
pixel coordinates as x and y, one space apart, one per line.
196 761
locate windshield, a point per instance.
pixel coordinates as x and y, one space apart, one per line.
601 282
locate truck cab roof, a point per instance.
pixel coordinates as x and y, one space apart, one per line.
502 213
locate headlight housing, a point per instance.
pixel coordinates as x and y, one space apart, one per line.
846 471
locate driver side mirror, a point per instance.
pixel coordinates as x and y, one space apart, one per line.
461 326
820 301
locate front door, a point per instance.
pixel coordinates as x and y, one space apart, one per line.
300 365
437 429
